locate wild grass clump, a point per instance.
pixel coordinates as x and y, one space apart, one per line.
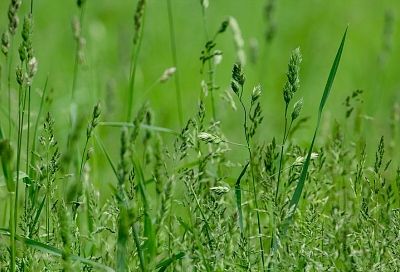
128 194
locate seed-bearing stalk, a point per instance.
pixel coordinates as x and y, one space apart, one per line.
137 43
237 84
289 90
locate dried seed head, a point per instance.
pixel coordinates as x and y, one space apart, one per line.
168 73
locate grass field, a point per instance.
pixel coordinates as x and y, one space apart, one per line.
199 135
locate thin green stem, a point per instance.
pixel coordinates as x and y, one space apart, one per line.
281 155
76 62
47 195
28 129
9 91
211 72
33 149
134 64
175 62
83 160
138 248
12 233
253 180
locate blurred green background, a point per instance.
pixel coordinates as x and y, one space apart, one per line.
370 60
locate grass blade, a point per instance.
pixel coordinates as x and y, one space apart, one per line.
150 244
55 251
164 264
148 127
103 149
238 194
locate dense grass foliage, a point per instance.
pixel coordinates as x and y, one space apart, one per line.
166 136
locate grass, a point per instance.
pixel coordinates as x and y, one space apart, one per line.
206 187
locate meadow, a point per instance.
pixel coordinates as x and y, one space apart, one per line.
199 135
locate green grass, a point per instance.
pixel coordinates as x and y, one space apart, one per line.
177 166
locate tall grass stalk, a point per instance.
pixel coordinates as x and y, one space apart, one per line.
175 62
137 43
289 90
78 27
237 85
210 71
36 127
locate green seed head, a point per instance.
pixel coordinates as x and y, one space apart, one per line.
5 43
293 79
297 109
237 74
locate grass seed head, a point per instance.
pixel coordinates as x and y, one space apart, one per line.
293 79
168 73
13 19
297 109
5 42
238 75
95 120
139 19
223 26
